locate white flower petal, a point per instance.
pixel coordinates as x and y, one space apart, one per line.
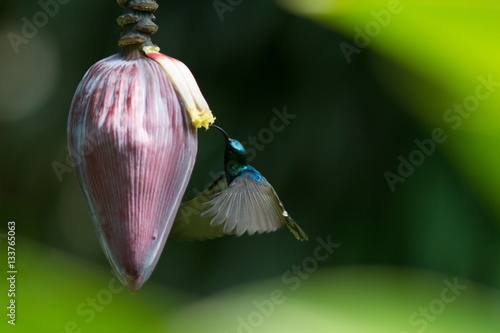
185 84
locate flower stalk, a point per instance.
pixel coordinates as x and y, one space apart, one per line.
138 25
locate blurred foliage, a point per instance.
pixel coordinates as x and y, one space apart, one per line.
446 50
79 296
353 119
57 292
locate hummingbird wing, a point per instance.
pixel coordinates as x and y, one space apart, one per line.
250 205
189 224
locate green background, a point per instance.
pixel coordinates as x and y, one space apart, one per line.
358 114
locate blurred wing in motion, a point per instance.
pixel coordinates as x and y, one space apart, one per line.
250 205
189 223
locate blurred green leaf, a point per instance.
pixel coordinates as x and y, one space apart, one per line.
446 50
57 292
354 299
86 297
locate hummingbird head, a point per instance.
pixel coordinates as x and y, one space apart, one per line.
235 154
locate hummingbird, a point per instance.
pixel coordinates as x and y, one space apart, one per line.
239 201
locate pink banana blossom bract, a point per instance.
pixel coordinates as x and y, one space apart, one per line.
132 137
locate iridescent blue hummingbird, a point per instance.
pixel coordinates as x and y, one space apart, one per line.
239 201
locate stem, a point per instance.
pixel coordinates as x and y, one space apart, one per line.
138 26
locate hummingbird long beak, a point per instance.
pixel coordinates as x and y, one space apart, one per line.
222 131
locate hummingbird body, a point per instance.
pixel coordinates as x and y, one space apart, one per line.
240 201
